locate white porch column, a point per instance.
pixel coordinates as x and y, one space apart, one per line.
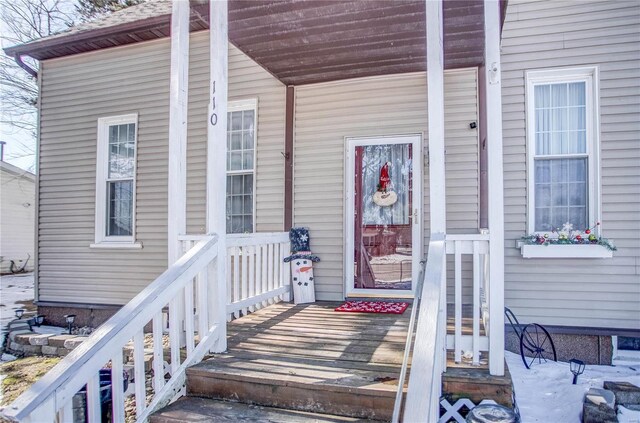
435 109
178 100
217 164
496 193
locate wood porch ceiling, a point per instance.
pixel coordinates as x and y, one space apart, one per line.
299 41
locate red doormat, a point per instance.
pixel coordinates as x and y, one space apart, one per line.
373 307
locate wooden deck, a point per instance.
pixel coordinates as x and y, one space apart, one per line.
309 357
313 359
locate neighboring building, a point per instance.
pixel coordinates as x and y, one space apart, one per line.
17 213
569 73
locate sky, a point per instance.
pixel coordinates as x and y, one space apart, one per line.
20 144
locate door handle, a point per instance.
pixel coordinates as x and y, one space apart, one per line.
415 216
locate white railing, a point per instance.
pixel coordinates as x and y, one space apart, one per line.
257 276
50 399
429 354
477 247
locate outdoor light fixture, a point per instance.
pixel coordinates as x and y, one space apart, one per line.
70 318
38 320
19 312
577 368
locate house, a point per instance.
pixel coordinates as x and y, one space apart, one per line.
17 190
155 142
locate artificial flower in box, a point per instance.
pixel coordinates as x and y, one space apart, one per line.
568 236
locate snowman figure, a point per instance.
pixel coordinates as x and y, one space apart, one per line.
301 261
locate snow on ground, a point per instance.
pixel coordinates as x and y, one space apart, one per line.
13 289
545 392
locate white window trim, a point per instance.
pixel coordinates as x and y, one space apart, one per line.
588 74
238 106
101 239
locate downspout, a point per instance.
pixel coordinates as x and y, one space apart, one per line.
23 65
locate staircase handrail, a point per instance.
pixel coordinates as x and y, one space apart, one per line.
425 379
56 388
397 407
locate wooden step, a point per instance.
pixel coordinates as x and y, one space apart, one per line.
192 409
477 384
321 385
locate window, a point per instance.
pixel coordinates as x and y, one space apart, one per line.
241 141
562 145
116 180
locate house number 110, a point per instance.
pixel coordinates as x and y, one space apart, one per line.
214 116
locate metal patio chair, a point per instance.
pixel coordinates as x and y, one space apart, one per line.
535 341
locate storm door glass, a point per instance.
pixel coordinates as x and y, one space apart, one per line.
383 220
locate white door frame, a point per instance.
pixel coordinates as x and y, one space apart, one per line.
349 207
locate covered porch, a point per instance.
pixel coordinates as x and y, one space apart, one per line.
214 277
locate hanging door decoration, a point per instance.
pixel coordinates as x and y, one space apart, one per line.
385 196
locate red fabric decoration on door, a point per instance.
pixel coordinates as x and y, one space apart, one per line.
385 180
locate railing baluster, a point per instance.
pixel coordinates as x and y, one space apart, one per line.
269 270
65 415
174 334
158 353
229 259
236 278
188 316
265 271
117 386
138 372
476 302
245 281
203 316
259 274
93 399
281 268
287 273
458 302
252 274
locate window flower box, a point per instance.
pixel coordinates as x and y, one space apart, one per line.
566 243
565 251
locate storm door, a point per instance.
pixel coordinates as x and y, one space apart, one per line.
383 210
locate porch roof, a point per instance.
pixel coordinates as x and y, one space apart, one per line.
298 41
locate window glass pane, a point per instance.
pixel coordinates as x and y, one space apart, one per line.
121 151
236 121
248 140
120 208
558 95
236 141
542 96
561 193
247 160
236 160
247 120
576 94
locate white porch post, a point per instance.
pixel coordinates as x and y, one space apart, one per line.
495 177
435 116
177 178
217 164
435 109
178 100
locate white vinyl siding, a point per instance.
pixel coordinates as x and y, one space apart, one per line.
390 105
542 35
